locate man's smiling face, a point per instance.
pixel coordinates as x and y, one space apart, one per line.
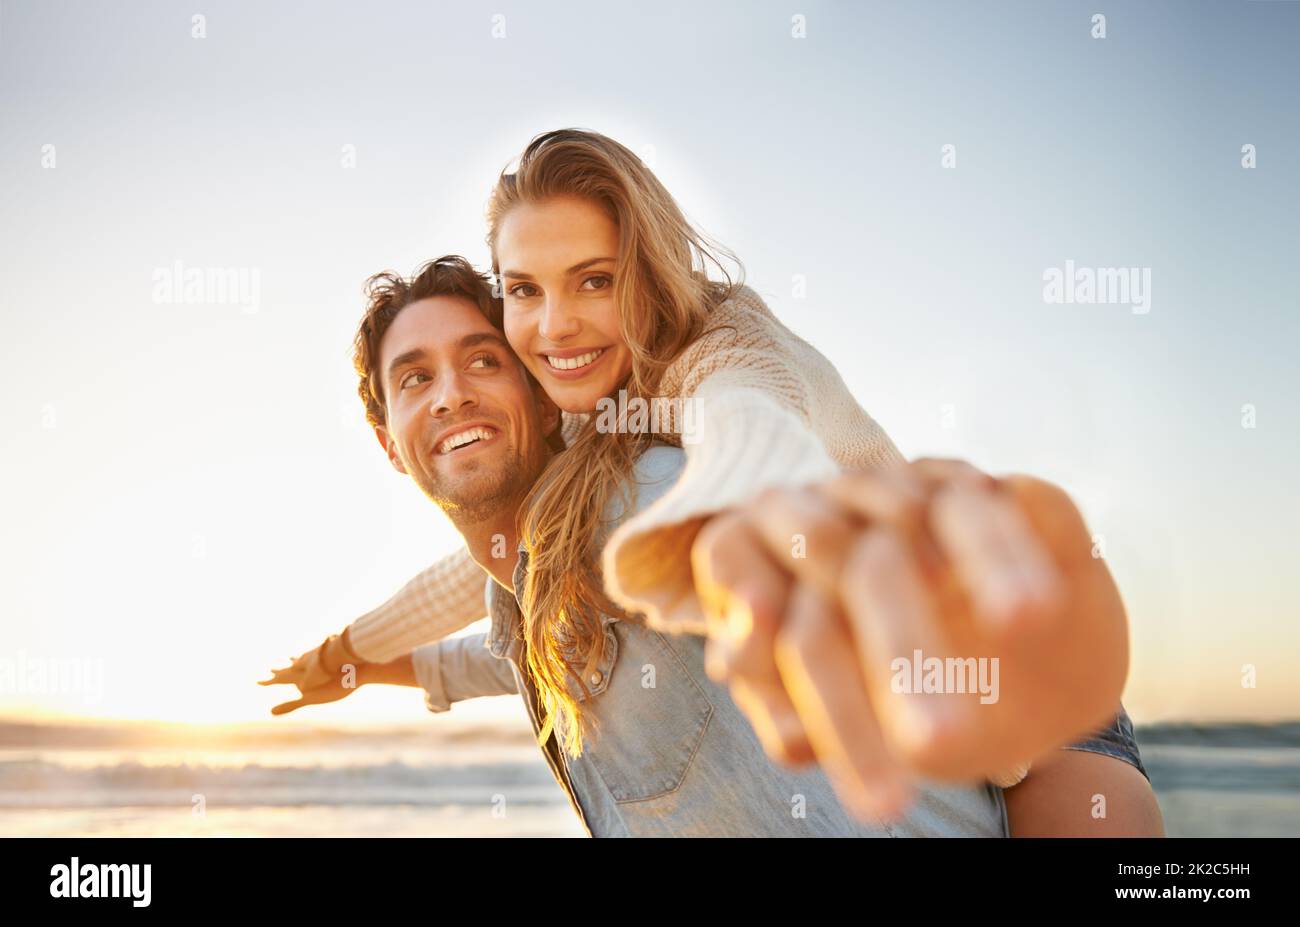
461 416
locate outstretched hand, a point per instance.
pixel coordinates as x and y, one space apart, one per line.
324 674
827 605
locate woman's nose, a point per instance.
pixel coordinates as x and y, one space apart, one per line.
558 322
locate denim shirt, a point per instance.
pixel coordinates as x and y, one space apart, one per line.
671 753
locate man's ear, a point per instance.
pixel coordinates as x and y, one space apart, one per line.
390 448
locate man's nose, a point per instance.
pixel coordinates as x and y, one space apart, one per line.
455 392
559 323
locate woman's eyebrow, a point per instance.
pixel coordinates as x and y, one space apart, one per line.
576 268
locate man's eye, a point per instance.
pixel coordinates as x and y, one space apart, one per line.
605 281
413 379
518 290
484 360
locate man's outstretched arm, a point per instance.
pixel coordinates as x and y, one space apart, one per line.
441 600
460 668
449 671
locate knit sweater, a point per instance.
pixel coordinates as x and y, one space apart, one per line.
769 410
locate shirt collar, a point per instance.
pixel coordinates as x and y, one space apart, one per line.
503 608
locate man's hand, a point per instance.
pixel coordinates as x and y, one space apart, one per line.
820 599
321 695
322 675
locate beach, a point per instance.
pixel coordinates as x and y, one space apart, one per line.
484 780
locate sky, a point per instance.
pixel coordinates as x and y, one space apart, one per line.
190 494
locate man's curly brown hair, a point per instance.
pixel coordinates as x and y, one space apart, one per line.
387 293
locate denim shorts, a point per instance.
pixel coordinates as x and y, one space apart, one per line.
1117 740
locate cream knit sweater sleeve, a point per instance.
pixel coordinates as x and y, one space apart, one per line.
768 410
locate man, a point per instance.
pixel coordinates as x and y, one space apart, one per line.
671 753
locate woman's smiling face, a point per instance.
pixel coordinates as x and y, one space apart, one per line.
557 260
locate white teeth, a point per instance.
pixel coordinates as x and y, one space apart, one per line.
573 363
460 439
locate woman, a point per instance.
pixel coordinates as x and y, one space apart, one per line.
581 232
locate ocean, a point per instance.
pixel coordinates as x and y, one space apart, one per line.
479 780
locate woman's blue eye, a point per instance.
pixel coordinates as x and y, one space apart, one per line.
606 281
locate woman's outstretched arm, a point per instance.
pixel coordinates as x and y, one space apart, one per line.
755 407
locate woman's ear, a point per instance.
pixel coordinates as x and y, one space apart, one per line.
390 448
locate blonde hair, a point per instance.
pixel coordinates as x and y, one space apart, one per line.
664 296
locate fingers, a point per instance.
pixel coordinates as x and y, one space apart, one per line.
308 671
281 676
804 532
1010 577
775 722
894 562
300 669
896 497
1055 518
807 531
320 695
937 471
993 521
952 511
285 707
744 594
900 496
893 495
817 663
896 624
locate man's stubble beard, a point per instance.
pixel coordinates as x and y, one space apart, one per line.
483 490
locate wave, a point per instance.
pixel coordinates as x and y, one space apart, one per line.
109 735
31 783
91 766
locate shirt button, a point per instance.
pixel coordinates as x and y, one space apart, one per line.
596 677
